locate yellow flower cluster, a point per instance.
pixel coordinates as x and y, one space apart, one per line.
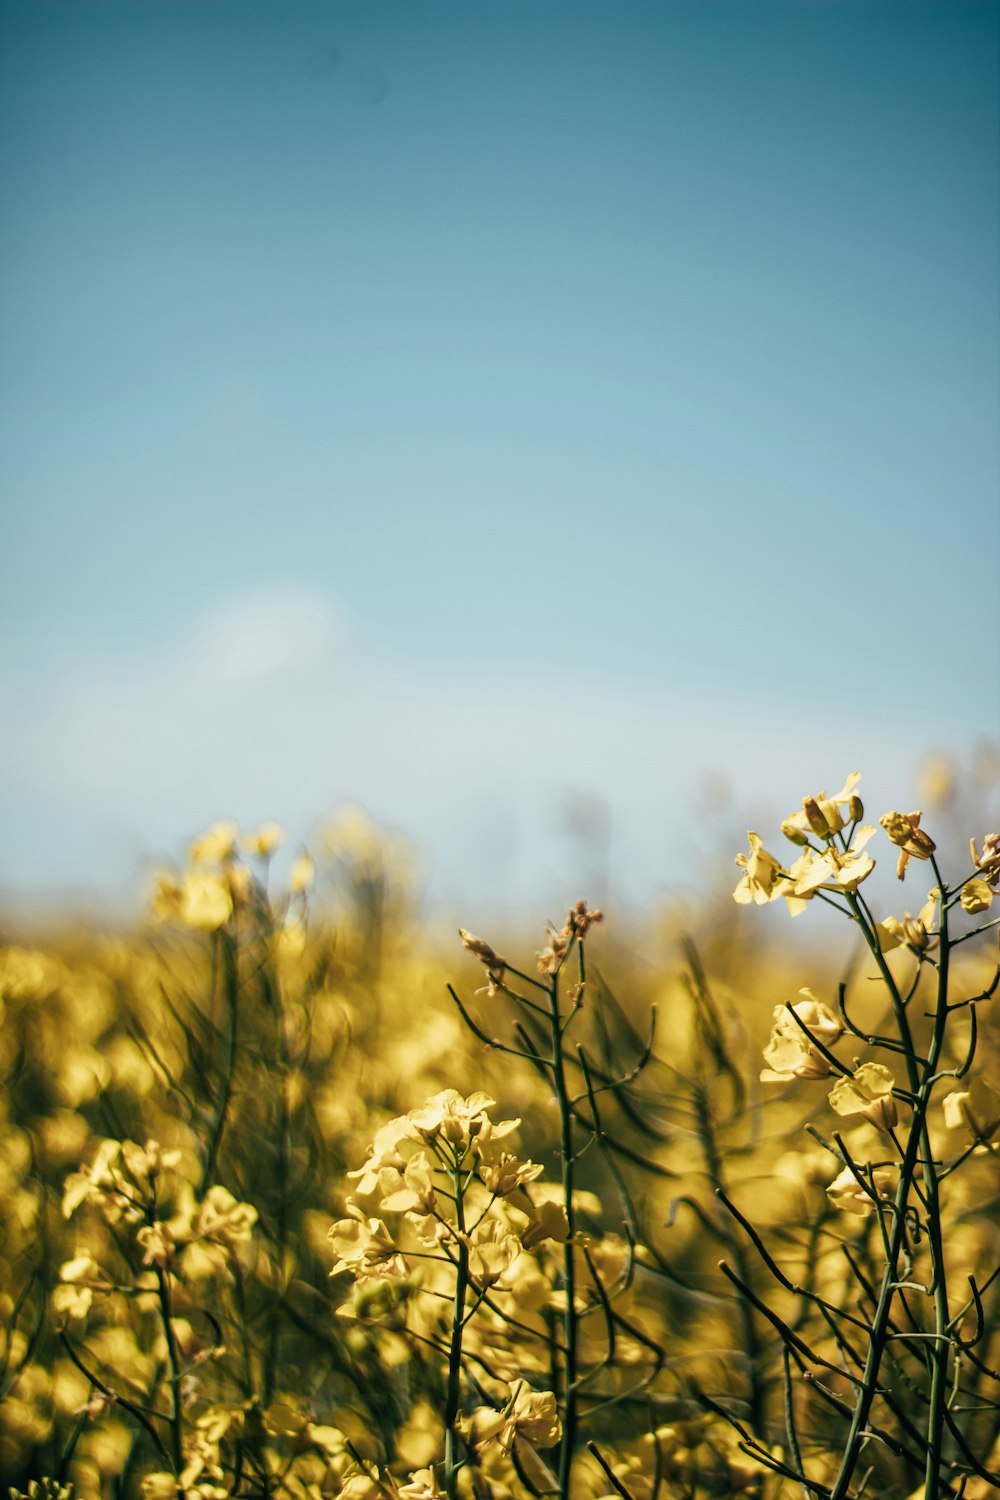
836 863
207 895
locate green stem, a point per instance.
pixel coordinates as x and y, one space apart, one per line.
173 1359
452 1462
568 1440
917 1146
940 1348
734 1248
231 986
284 1174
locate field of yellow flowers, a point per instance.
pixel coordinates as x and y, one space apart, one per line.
301 1203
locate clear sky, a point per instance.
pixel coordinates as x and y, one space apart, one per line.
487 411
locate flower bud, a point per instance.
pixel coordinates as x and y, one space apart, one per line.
856 808
793 834
915 933
814 817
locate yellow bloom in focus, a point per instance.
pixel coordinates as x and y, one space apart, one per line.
71 1303
531 1415
415 1192
762 875
206 903
833 870
383 1154
975 1110
976 897
868 1093
789 1052
904 830
916 932
548 1221
989 860
456 1118
360 1484
493 1249
364 1247
847 1194
421 1485
79 1279
821 814
506 1173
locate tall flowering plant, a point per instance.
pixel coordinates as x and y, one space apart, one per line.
904 1358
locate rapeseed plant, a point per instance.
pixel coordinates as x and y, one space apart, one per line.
279 1218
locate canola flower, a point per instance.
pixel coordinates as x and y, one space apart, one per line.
905 1193
278 1218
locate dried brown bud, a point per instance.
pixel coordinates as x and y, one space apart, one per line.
494 963
580 920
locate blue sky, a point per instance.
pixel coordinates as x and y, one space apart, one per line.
476 411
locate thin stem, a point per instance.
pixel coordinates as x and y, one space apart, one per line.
565 1107
231 986
452 1461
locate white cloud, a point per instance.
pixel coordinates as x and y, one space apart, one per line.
253 641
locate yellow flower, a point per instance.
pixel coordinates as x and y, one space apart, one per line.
302 874
989 860
548 1221
493 1249
529 1414
904 830
223 1219
455 1118
868 1093
167 896
217 844
205 902
157 1244
264 840
917 932
821 814
383 1153
83 1185
364 1247
421 1485
79 1279
846 1193
762 875
790 1052
159 1486
416 1191
506 1173
976 897
975 1110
